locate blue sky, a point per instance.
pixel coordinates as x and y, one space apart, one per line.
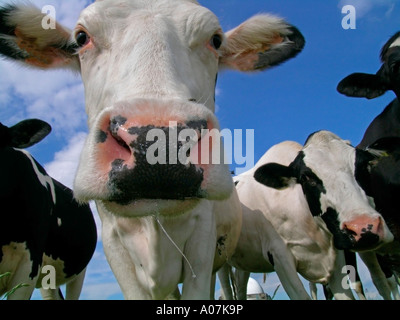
285 103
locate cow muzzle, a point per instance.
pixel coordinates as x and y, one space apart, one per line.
153 150
362 232
366 232
151 162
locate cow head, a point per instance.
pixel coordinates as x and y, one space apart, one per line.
326 170
378 175
149 70
374 85
23 134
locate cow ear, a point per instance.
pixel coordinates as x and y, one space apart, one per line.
261 42
27 35
384 146
28 132
275 175
362 85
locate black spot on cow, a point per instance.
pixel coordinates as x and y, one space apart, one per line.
101 136
312 186
342 239
197 124
221 244
116 122
270 258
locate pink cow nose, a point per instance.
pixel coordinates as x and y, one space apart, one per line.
127 155
367 232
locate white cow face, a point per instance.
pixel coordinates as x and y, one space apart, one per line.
149 69
326 169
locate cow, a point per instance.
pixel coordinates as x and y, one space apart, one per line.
325 162
382 183
326 168
42 223
370 86
149 70
307 242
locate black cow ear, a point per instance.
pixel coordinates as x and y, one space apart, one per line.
28 132
275 176
384 146
362 85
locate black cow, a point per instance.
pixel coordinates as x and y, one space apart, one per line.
382 183
47 238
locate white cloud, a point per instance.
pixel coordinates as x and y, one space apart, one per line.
55 96
364 7
65 162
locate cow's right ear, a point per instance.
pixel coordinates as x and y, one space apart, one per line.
28 132
275 175
25 37
362 85
261 42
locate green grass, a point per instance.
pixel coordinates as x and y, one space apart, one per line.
9 293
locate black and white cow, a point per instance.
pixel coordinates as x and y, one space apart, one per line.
42 224
329 170
387 123
383 181
326 168
383 130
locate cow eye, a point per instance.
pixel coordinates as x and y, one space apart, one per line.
82 38
216 41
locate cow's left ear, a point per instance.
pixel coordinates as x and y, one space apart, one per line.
261 42
28 132
275 175
27 36
362 85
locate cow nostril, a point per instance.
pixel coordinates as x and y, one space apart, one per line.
349 231
114 127
120 141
